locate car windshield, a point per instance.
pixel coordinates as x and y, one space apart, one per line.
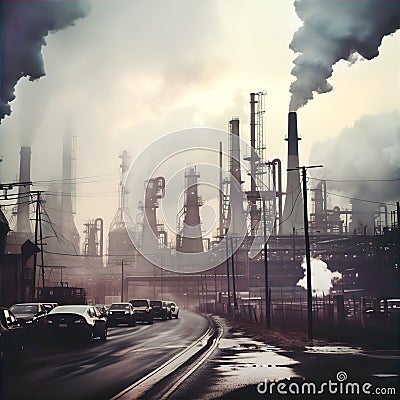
69 309
119 307
24 308
139 303
156 303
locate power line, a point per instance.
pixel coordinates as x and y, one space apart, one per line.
92 194
355 180
75 179
364 200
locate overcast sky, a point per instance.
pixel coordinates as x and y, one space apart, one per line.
134 70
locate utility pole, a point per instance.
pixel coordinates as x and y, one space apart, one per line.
122 281
41 240
235 304
266 272
308 253
227 275
36 243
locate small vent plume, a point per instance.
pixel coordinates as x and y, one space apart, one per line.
322 278
24 26
333 31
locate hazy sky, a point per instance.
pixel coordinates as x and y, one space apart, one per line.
134 70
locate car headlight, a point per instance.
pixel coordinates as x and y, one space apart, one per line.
126 312
29 321
110 313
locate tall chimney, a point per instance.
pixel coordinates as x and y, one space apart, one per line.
293 209
235 213
192 241
23 222
69 230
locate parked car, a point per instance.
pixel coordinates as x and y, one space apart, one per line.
11 336
49 306
161 309
174 309
29 313
121 313
102 308
143 310
76 322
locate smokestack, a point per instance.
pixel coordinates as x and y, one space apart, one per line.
293 209
192 241
23 222
235 212
69 230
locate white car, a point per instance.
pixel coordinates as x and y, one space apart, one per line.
174 309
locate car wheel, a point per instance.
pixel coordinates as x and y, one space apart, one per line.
132 322
176 316
150 321
164 318
104 335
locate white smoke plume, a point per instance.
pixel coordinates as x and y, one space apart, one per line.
367 155
24 27
322 278
336 30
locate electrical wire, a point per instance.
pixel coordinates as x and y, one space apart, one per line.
356 180
39 182
92 194
363 200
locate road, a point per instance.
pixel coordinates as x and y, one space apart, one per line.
101 370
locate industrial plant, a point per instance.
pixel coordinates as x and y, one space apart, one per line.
43 248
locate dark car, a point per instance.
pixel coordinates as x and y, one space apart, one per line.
75 322
161 309
11 336
143 310
121 313
29 313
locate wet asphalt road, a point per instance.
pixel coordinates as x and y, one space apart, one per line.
241 363
100 370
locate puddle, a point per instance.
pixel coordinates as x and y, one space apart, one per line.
333 350
243 361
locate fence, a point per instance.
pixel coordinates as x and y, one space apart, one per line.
341 316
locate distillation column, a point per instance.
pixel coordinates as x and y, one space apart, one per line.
191 236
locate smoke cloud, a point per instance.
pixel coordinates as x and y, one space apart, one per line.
322 278
367 154
24 27
333 31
